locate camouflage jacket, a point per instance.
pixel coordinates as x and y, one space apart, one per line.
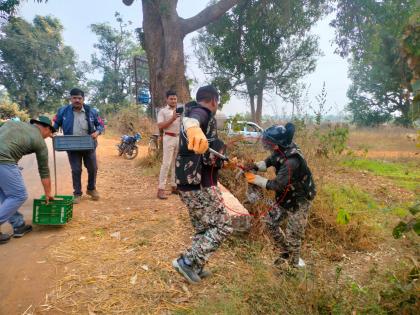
193 170
293 181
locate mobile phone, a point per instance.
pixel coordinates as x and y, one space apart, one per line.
179 110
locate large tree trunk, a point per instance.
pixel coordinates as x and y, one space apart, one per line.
164 32
258 112
252 103
250 87
165 51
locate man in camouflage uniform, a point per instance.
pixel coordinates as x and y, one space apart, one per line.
196 178
294 189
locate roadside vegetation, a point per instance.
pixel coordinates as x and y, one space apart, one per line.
355 262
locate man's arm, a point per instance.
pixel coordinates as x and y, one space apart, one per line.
284 175
44 171
46 183
58 119
194 125
98 126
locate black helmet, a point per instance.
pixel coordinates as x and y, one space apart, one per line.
279 135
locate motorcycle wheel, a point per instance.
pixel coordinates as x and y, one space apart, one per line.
131 154
120 149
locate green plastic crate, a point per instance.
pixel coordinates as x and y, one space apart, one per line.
57 212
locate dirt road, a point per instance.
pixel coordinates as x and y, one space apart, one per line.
29 272
115 256
26 274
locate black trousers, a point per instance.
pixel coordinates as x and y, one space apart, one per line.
89 160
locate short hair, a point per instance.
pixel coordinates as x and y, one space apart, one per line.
77 92
170 93
207 93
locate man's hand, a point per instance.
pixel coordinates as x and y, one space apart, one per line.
95 135
46 183
197 140
175 116
256 179
48 198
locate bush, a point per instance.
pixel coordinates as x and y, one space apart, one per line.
131 120
9 110
334 140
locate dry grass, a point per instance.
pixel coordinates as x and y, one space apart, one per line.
119 262
389 138
130 121
114 269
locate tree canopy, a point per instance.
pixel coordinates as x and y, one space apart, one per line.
261 46
162 34
370 32
114 54
36 68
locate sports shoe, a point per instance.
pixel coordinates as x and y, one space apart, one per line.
280 261
4 238
204 273
161 194
301 263
21 230
77 199
93 193
186 270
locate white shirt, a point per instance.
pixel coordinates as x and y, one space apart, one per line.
165 114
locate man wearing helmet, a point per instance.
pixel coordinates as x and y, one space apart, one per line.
294 189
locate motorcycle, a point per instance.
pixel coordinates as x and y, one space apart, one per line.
128 147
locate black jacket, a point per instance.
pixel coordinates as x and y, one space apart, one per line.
194 171
293 181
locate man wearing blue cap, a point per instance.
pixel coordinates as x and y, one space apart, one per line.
294 187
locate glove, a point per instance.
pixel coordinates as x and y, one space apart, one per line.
258 166
261 166
197 141
256 179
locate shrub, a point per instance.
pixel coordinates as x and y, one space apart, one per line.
9 110
131 120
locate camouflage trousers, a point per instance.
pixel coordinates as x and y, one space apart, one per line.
288 242
211 222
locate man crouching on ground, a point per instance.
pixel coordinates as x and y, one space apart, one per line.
16 140
196 177
294 187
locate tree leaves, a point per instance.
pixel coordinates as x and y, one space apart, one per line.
115 51
258 48
37 69
370 32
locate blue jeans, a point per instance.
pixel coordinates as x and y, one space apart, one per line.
89 160
12 194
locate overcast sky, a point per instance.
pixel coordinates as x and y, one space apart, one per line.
77 15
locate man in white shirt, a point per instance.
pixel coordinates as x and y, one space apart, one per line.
168 120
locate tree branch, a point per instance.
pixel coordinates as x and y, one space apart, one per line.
206 16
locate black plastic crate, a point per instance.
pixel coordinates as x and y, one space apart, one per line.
73 143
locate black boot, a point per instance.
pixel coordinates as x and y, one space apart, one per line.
21 230
204 273
4 238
